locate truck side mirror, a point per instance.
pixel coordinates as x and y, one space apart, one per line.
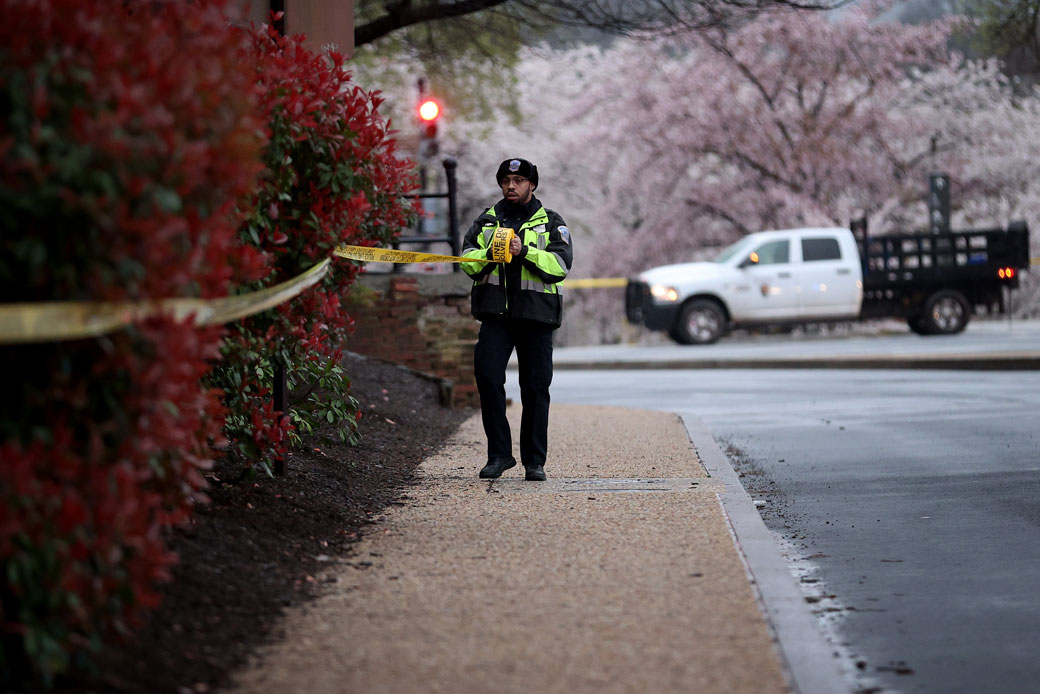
752 259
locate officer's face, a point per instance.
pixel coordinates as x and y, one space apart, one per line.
517 189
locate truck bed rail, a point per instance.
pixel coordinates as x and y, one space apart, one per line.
935 258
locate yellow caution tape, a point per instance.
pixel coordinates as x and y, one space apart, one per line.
499 253
500 241
234 307
595 282
387 255
71 320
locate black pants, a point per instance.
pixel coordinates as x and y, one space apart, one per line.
533 344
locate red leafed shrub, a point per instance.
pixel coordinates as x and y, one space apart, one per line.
332 176
147 150
128 134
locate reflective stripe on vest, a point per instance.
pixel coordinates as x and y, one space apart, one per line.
536 286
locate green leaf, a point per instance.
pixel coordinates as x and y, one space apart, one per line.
167 200
13 573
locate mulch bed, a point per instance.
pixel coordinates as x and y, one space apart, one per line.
260 545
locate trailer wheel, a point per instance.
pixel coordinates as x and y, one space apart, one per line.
946 312
700 322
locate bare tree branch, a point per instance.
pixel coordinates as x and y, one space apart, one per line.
719 213
620 17
405 13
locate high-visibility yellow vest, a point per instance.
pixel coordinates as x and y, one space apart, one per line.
540 300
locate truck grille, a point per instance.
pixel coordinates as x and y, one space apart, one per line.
635 294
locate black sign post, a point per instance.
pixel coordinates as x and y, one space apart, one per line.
939 203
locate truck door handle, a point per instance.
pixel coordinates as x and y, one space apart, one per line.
783 274
844 271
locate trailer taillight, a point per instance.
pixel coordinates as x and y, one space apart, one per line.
1006 273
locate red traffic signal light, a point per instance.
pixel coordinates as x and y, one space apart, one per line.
429 110
429 114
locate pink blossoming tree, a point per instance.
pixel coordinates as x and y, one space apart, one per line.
660 150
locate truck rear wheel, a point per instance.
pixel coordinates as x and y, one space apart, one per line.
700 322
945 313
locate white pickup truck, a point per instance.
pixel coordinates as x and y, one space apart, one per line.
793 276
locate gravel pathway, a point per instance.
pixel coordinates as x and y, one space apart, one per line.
619 574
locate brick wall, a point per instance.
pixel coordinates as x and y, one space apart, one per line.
422 322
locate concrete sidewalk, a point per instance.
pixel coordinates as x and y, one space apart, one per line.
622 573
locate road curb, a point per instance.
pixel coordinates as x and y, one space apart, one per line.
809 661
1014 362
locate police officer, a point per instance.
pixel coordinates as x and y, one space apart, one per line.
519 306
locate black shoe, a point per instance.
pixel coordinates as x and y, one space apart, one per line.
534 473
496 467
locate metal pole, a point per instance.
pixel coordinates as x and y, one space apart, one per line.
277 6
279 407
453 218
1010 305
279 367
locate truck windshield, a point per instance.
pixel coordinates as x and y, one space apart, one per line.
733 250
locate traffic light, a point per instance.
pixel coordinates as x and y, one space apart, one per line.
429 114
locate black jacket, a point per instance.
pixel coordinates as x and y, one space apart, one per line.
528 287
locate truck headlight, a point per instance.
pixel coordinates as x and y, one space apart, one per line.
663 293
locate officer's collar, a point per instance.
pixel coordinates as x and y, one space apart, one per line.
524 210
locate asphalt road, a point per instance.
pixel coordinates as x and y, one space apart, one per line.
908 501
914 501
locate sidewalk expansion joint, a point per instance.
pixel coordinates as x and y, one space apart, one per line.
629 485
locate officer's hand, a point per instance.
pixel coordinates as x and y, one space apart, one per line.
515 245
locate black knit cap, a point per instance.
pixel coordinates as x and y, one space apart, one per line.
520 167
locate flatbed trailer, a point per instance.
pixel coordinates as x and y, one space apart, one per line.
937 281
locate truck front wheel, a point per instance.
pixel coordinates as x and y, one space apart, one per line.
946 312
700 322
917 326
